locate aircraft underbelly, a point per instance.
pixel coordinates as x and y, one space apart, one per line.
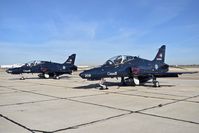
144 79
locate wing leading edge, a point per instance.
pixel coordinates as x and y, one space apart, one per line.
172 74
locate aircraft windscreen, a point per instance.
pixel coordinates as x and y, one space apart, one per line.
33 63
118 60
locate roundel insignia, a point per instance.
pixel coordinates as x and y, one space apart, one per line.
160 55
64 67
156 66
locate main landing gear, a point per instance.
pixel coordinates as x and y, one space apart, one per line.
134 81
155 82
56 77
46 76
131 81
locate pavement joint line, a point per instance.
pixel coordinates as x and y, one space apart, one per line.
44 84
105 105
162 93
129 111
9 92
16 123
192 101
110 91
143 96
105 93
180 100
39 101
147 92
120 93
161 105
155 97
100 105
33 83
55 96
139 111
32 92
92 122
88 95
170 118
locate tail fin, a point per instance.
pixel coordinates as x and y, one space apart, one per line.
71 59
161 54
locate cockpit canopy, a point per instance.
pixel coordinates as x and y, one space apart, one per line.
34 63
117 60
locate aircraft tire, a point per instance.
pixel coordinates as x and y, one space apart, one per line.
156 84
56 77
103 87
22 78
41 76
46 76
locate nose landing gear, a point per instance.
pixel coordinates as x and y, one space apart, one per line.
102 85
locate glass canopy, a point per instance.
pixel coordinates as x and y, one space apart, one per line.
121 59
33 63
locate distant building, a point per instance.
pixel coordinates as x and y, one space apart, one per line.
84 67
11 66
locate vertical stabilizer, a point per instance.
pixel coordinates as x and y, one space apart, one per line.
71 59
161 54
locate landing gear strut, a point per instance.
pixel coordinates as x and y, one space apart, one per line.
155 82
56 77
123 83
127 81
102 86
41 75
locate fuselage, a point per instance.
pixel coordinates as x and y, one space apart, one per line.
131 68
44 67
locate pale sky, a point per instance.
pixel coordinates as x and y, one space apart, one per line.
97 30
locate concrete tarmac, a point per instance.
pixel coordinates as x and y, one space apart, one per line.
74 105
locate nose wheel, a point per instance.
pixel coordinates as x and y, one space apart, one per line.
102 85
22 78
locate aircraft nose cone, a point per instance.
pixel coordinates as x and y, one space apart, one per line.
82 74
9 71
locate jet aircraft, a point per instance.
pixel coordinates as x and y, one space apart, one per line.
132 70
46 69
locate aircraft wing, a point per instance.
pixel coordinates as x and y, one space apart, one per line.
163 74
172 74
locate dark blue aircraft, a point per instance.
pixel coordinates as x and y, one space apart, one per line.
46 69
132 70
